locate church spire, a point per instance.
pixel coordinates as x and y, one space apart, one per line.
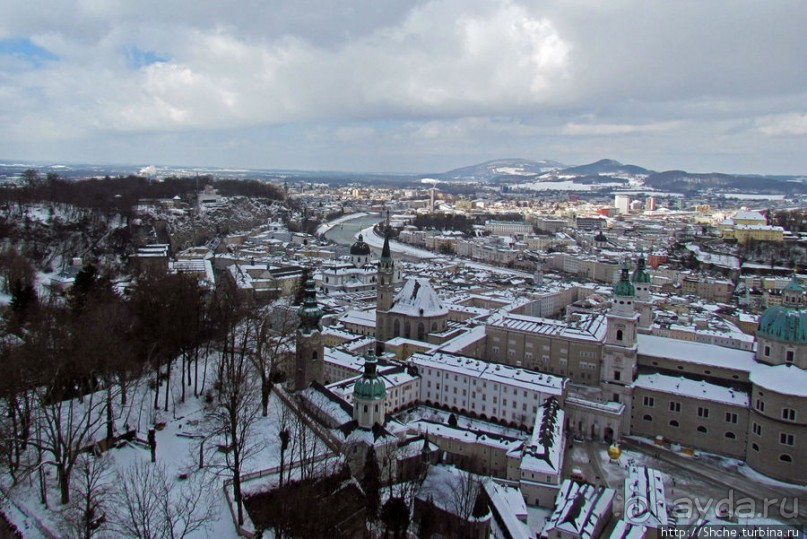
386 255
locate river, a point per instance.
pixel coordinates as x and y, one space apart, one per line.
345 233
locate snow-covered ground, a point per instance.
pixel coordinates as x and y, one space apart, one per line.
717 259
177 449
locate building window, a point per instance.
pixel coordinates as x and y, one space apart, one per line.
703 412
648 417
702 429
760 405
755 447
789 356
619 334
730 435
784 457
675 406
786 439
674 423
767 351
615 397
731 417
757 429
617 375
788 414
649 402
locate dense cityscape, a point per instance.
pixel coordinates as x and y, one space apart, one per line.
504 353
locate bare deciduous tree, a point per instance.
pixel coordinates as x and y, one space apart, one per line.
150 505
85 515
274 333
466 490
237 408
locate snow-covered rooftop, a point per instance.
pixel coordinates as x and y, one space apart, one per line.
544 452
623 530
694 352
510 510
360 318
785 379
493 372
588 327
465 435
644 498
691 388
418 298
579 509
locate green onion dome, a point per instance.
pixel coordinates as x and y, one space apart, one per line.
369 386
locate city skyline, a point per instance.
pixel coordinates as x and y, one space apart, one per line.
405 87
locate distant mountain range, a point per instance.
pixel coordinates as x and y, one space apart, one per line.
491 170
608 172
605 167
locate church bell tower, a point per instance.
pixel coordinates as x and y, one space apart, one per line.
309 358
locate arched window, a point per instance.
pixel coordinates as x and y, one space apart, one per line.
421 331
396 328
619 335
702 429
784 457
674 423
731 436
314 354
647 417
407 330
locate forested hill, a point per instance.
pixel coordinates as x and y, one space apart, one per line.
122 193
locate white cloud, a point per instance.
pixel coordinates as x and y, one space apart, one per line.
794 123
607 129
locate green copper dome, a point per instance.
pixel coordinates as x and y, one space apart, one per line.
783 324
640 274
794 285
369 386
623 287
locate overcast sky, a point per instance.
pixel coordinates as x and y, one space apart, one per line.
392 85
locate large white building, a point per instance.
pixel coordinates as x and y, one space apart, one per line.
485 390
